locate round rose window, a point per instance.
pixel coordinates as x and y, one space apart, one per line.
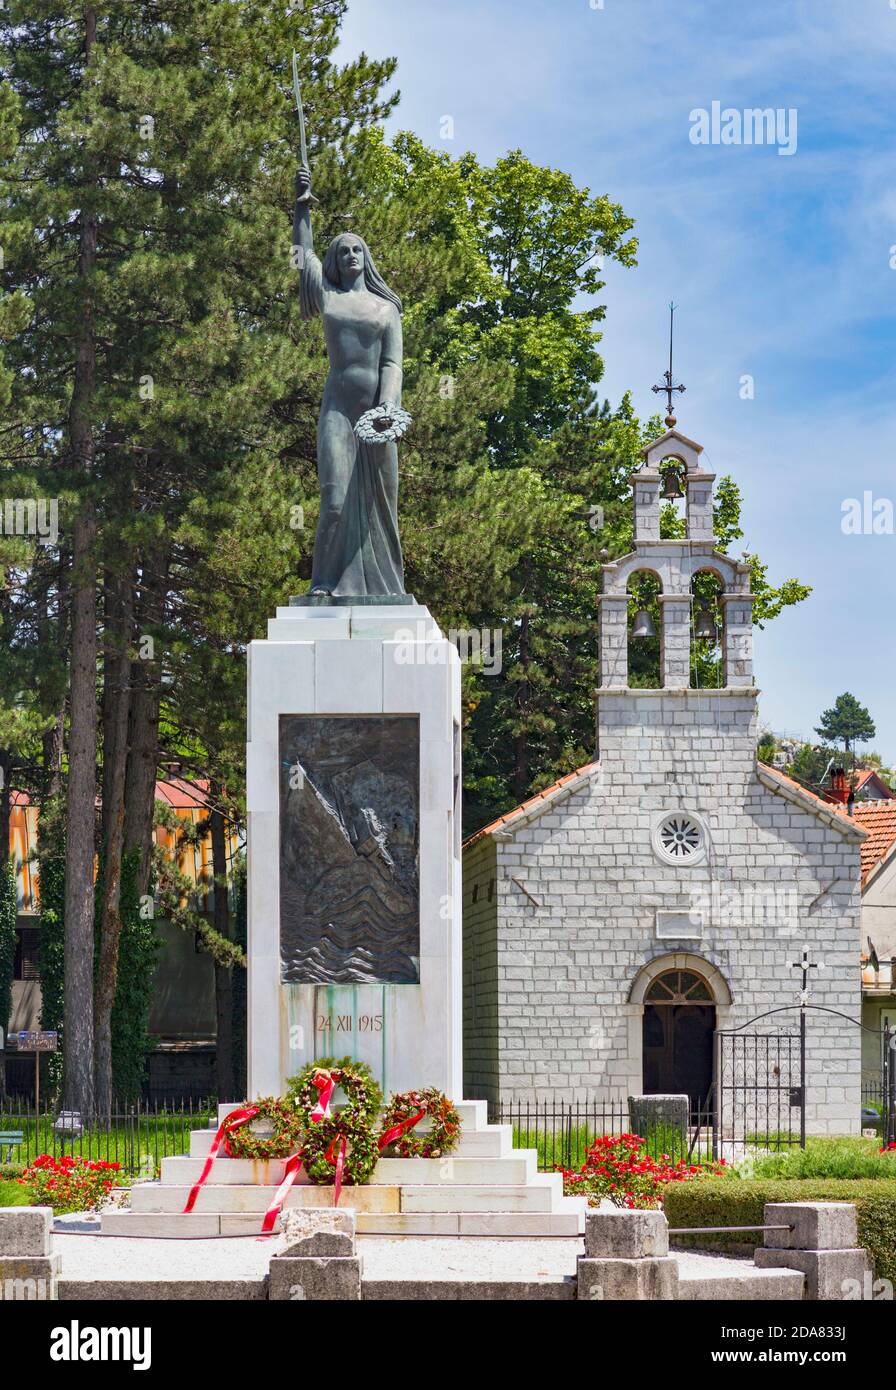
679 838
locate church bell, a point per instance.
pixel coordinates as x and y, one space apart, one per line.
644 625
672 488
705 623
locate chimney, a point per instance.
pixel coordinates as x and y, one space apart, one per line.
839 785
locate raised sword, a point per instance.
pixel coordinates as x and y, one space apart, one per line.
303 141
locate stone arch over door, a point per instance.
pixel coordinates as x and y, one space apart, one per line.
679 996
681 960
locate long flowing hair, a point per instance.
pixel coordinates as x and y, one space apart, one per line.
373 281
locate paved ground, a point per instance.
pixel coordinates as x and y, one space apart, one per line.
96 1257
100 1267
436 1258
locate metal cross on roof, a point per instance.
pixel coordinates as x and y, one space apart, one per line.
670 386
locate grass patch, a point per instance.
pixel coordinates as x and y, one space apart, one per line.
12 1194
137 1142
564 1148
568 1147
848 1158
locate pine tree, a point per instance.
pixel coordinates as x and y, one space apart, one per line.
160 142
847 721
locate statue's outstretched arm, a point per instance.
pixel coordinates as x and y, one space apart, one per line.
311 281
301 224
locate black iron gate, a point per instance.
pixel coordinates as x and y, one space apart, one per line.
759 1088
758 1095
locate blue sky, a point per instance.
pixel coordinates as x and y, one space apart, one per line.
780 265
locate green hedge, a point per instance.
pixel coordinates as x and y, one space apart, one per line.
731 1202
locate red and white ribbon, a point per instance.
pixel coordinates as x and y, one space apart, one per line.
234 1120
398 1130
339 1161
291 1172
325 1081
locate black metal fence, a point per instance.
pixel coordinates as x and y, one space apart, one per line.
138 1136
873 1090
562 1133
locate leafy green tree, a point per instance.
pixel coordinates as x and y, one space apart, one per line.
767 746
183 447
239 997
139 949
875 761
847 721
811 764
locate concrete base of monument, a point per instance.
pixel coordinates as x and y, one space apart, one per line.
485 1188
353 778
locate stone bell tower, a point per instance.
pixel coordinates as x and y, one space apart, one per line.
658 729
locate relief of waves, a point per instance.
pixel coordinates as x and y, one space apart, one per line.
326 945
330 963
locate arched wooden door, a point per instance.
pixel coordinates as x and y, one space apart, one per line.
678 1029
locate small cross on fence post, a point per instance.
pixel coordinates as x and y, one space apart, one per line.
804 964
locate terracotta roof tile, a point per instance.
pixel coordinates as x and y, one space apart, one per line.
176 791
879 819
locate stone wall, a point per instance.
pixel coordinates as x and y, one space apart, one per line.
480 948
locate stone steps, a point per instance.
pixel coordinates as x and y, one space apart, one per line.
705 1277
454 1170
196 1225
257 1197
564 1222
485 1188
539 1193
494 1142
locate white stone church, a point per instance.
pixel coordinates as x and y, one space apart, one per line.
624 928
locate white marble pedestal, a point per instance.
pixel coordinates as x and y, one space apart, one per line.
366 660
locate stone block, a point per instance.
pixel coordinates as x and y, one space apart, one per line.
28 1278
315 1280
829 1273
320 1243
347 679
650 1114
628 1235
25 1230
299 1222
485 1290
816 1225
142 1290
636 1281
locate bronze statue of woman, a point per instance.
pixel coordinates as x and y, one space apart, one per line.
357 551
